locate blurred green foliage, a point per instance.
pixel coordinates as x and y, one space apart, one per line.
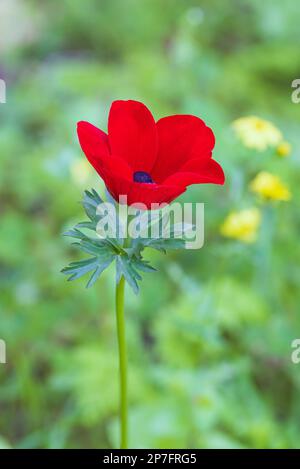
209 337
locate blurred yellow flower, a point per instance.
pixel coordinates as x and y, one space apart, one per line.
80 171
257 133
242 225
284 149
270 187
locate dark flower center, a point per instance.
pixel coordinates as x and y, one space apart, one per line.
142 176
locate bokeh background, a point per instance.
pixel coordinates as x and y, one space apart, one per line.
209 336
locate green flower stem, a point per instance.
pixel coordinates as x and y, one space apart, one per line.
120 291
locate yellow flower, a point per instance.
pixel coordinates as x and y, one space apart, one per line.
80 171
242 225
270 187
284 149
257 133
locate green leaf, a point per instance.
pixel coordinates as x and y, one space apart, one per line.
90 202
90 247
90 225
110 198
104 250
130 275
98 272
80 268
142 265
74 233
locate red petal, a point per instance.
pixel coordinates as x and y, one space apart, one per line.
94 143
118 167
210 169
180 138
193 173
132 134
146 194
153 195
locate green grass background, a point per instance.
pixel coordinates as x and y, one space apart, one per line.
209 336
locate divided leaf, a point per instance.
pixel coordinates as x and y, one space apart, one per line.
104 250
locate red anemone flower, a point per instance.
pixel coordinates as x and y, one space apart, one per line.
147 161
